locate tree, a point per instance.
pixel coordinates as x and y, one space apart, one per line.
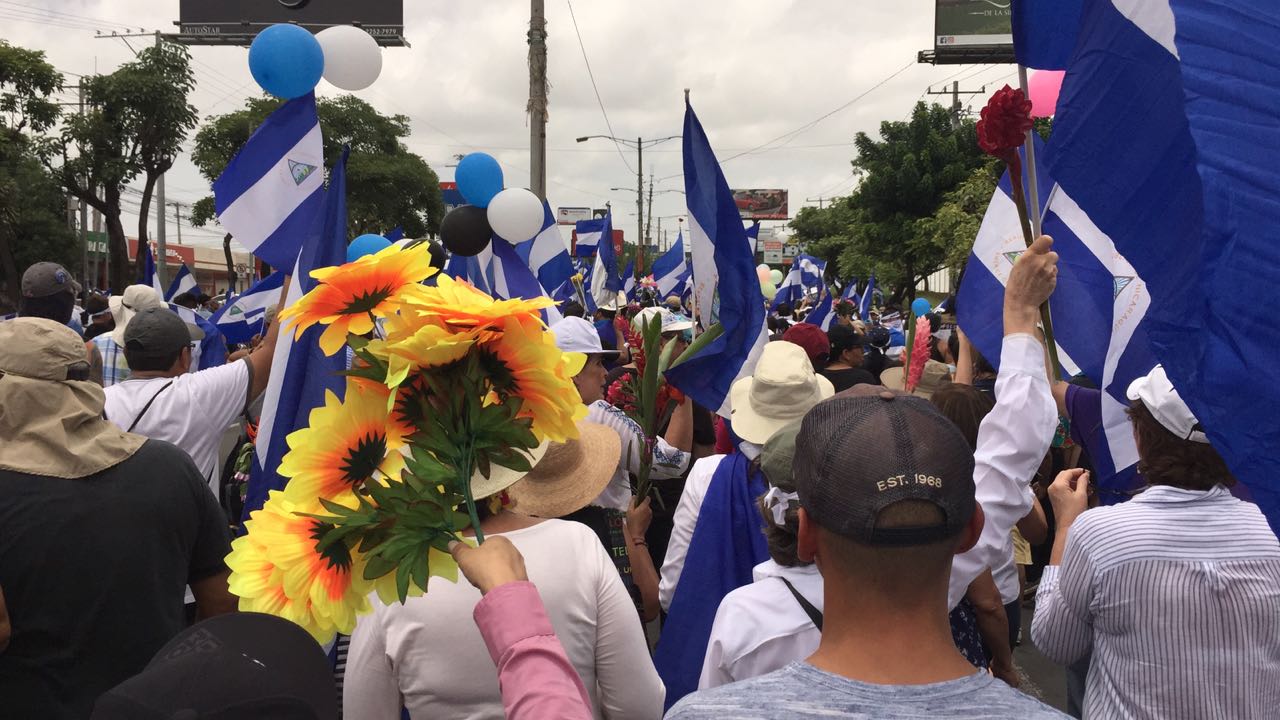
134 123
906 177
387 186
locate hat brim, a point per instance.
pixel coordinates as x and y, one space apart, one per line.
755 427
573 487
895 378
500 478
678 327
124 315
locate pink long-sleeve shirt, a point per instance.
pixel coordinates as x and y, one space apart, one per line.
536 677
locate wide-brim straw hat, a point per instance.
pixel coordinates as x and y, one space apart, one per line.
570 475
783 388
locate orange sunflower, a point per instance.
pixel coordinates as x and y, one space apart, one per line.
349 296
459 304
344 444
414 341
530 366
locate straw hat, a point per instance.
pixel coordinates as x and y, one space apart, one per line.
932 379
782 389
570 474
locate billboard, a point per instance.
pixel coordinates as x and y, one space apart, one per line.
772 251
967 23
236 22
572 215
761 204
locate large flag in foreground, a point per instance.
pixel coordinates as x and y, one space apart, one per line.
300 371
1165 136
1098 309
1044 32
243 317
270 192
726 290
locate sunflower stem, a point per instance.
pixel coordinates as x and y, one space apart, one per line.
465 467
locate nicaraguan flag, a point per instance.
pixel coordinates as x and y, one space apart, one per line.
1044 32
498 270
605 282
1098 312
823 314
1165 137
805 277
725 285
753 235
589 233
149 276
670 268
546 254
864 303
242 318
629 280
183 281
301 372
270 192
851 291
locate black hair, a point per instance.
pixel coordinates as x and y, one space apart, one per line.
187 300
56 307
573 309
784 310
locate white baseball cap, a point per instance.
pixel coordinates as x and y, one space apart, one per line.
671 322
575 335
1158 395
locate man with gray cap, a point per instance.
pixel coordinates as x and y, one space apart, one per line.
162 400
48 291
900 515
100 530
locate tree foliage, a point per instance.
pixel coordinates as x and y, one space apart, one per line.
134 123
26 82
387 185
907 176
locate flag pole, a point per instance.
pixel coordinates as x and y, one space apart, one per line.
1033 184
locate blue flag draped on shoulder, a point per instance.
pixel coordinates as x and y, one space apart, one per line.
301 374
270 192
242 318
183 281
726 290
1044 32
1165 137
669 269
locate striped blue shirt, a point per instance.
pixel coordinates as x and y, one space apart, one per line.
114 366
1177 595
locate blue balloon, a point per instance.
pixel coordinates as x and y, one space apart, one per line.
286 61
366 245
479 178
920 307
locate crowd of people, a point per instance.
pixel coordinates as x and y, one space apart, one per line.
852 539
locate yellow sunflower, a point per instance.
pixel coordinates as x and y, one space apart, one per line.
275 568
414 342
459 304
349 296
344 443
533 369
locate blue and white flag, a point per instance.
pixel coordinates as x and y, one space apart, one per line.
301 373
1044 32
149 276
242 318
629 280
725 286
498 270
864 303
605 281
823 314
804 279
589 233
1165 136
546 254
851 291
753 235
211 351
1098 310
270 192
670 268
183 281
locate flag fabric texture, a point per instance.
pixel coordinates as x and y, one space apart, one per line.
805 276
864 303
211 351
753 235
149 276
270 192
546 254
851 292
498 270
1165 137
605 281
589 233
1044 32
629 280
823 313
670 268
300 371
725 286
183 281
243 317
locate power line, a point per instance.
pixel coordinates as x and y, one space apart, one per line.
35 9
616 145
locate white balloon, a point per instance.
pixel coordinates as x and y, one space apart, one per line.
352 58
763 266
516 215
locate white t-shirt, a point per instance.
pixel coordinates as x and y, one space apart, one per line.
668 461
429 654
192 412
761 627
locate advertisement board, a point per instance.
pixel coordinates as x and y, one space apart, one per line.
772 251
959 23
572 215
236 22
761 204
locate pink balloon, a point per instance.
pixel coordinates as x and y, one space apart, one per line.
1043 88
762 274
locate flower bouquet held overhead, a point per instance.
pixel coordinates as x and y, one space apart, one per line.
456 389
1002 129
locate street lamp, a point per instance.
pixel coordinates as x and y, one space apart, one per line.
639 144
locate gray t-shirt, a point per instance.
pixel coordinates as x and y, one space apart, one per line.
802 691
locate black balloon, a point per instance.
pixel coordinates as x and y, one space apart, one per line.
465 230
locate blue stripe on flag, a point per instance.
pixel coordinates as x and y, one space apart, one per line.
282 130
1044 32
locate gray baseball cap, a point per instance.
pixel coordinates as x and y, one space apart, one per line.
156 332
48 278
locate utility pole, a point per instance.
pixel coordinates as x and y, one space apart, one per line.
955 92
177 219
640 196
819 200
162 262
84 225
538 100
648 223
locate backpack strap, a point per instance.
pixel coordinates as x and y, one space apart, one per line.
147 407
814 613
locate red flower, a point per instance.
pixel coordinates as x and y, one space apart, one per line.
1004 124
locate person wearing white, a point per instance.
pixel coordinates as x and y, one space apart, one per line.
670 459
779 392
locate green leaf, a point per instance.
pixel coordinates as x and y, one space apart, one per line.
402 581
376 566
699 343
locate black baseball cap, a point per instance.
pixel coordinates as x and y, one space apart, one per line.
843 338
868 448
234 666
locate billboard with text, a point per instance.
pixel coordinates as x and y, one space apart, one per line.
761 204
973 22
236 22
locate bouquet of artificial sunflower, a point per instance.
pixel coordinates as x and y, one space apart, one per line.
380 481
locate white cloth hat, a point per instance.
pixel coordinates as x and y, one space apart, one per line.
780 392
124 307
1157 393
573 334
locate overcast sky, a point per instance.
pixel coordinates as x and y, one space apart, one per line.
757 70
